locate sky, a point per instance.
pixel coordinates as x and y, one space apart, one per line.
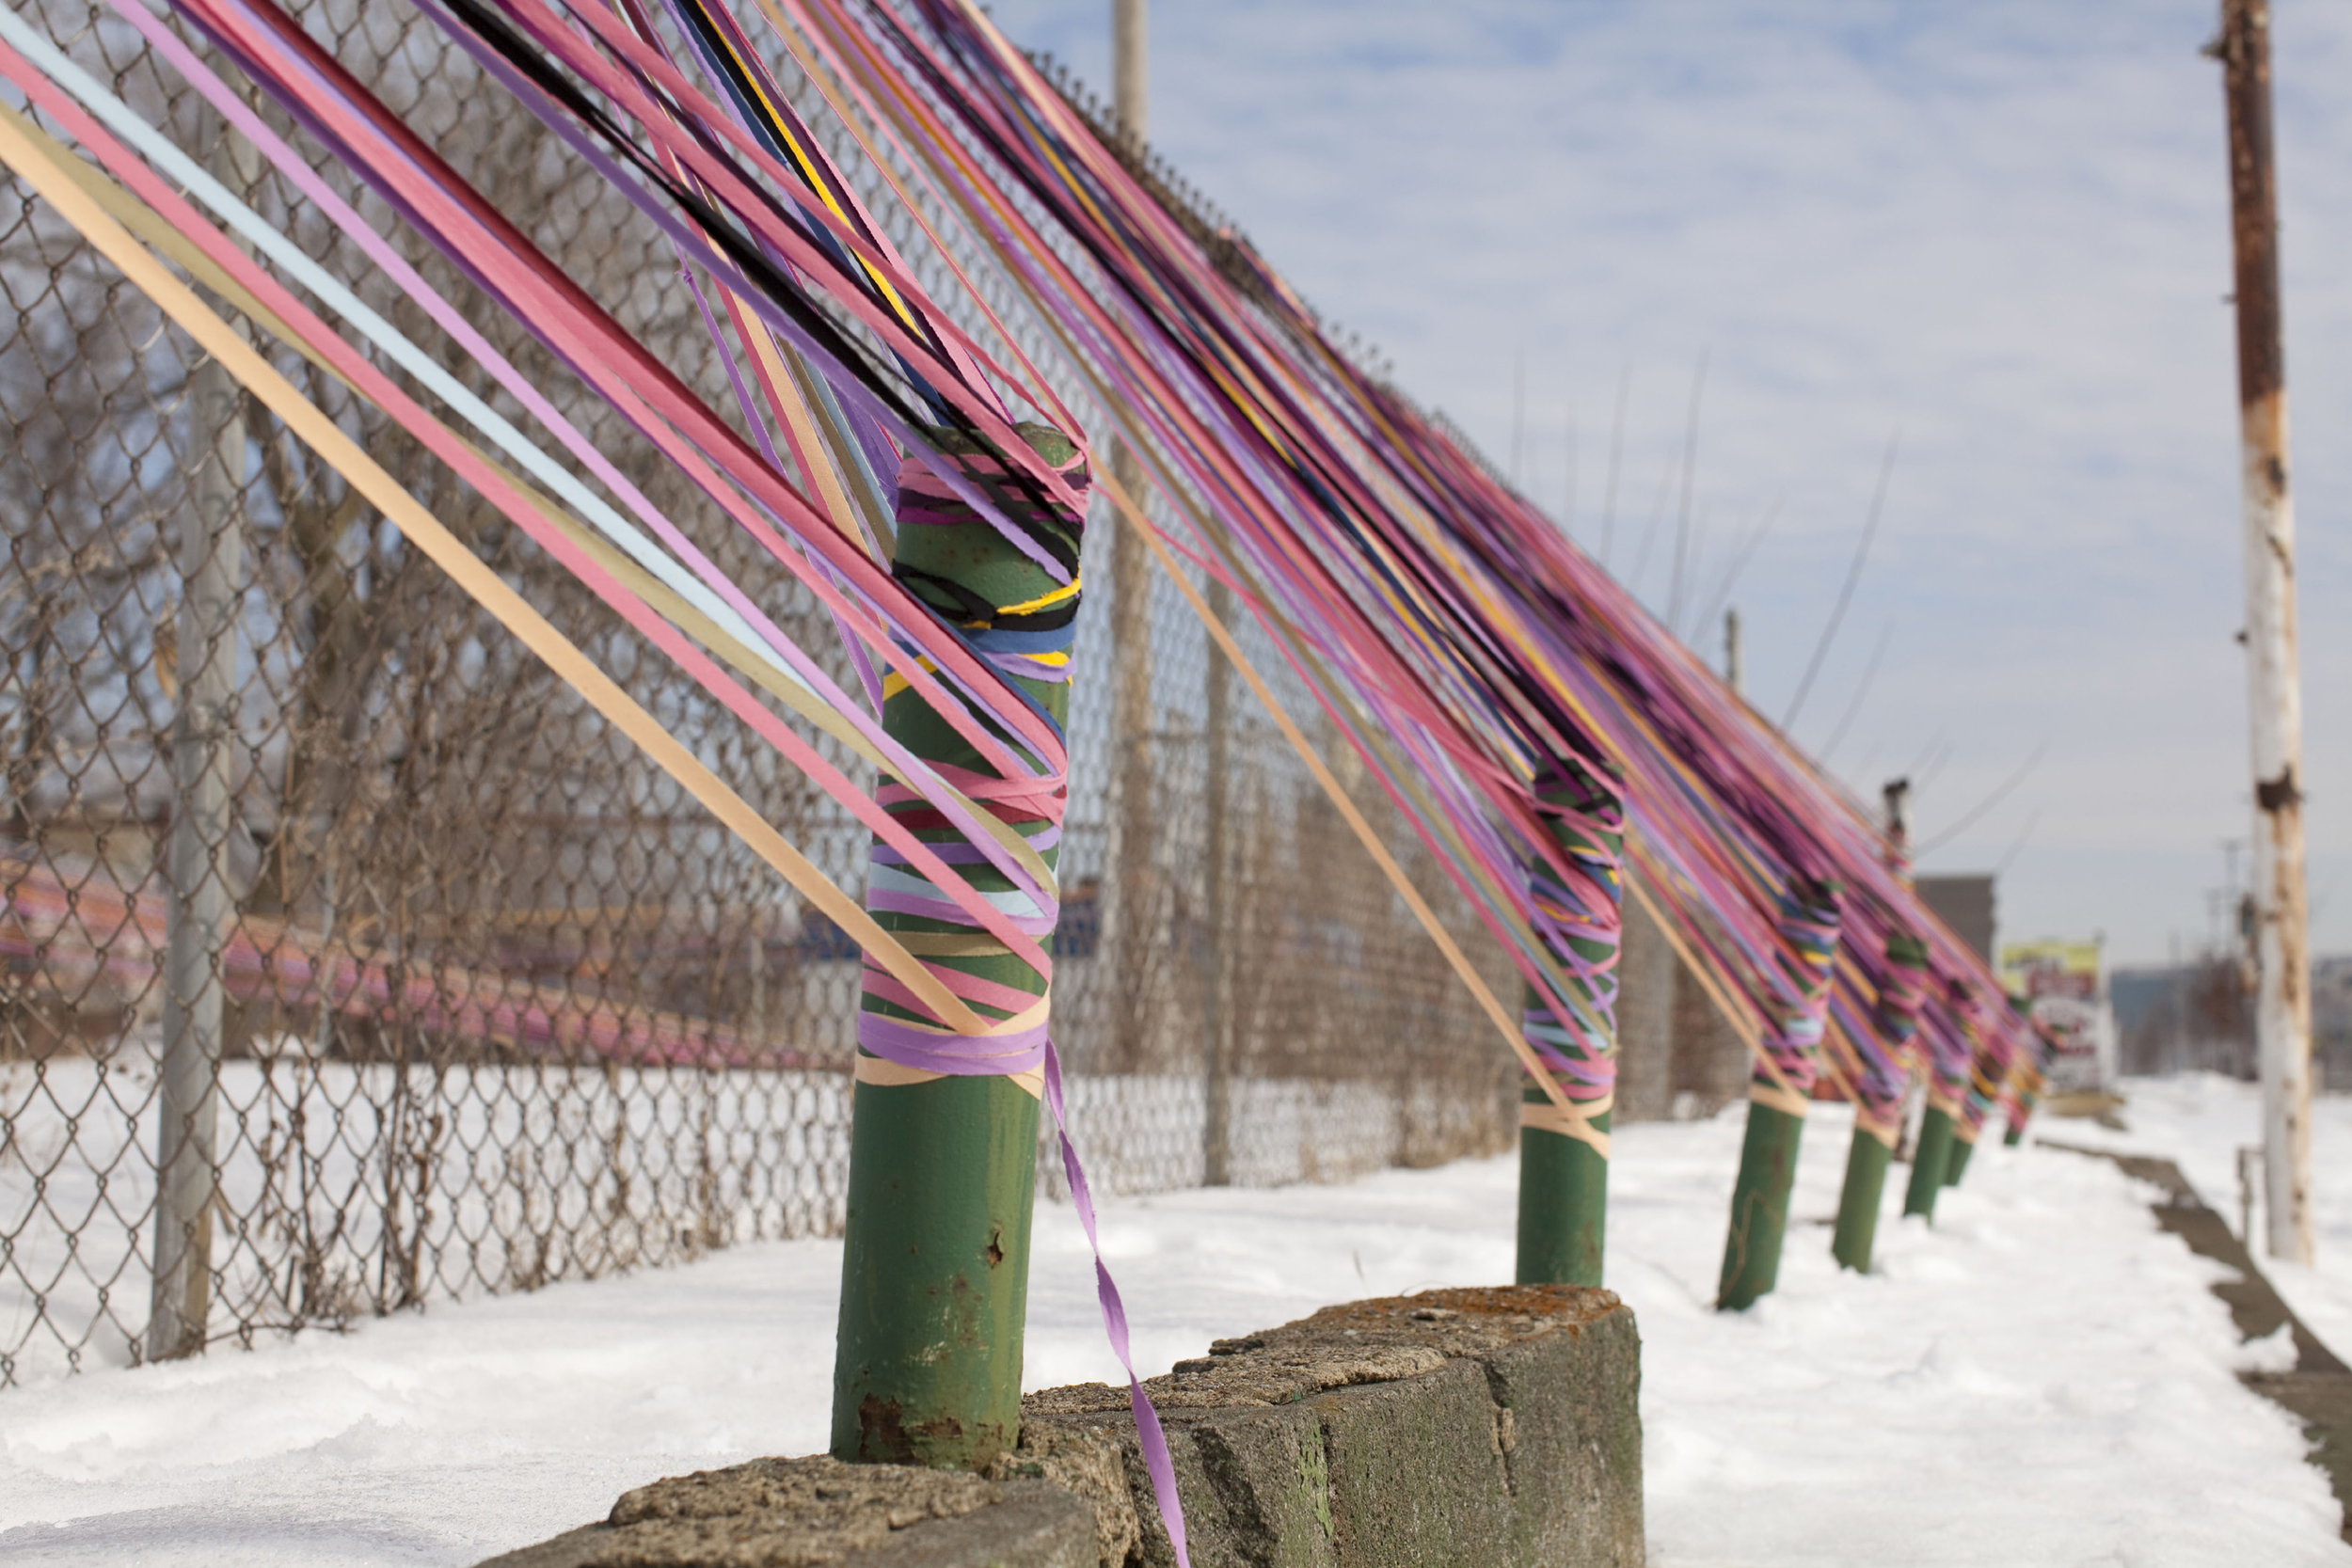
1992 234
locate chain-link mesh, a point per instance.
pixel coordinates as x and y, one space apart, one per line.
349 962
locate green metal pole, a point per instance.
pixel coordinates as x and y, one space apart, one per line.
1963 1145
2027 1074
935 1265
1878 1109
1564 1201
2029 1101
1988 1069
1759 1206
1858 1205
1563 1178
1768 1156
1928 1159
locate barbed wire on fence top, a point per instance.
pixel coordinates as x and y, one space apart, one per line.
495 1005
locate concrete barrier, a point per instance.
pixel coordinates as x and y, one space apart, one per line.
784 1513
1453 1427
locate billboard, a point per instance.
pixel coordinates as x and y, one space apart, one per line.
2065 985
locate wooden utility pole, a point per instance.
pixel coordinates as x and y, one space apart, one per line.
1898 797
2282 1006
1131 87
1734 675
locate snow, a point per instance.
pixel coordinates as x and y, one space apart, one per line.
734 1154
2200 1121
2041 1379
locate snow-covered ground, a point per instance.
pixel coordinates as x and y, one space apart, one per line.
2043 1379
2200 1121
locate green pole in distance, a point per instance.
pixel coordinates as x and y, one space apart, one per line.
935 1256
1878 1109
1951 1049
1858 1205
1564 1161
1928 1159
2031 1075
1759 1203
1988 1066
2031 1080
1963 1145
1776 1104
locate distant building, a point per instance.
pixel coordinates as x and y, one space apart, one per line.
1965 904
2198 1017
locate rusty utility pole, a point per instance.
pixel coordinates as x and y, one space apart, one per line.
1898 794
2283 1007
1131 88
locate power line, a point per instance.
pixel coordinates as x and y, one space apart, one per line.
1568 485
1616 455
1869 673
1519 415
1853 574
1682 515
1936 766
2024 834
1740 560
1987 804
1649 533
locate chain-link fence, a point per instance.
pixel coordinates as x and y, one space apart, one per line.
349 962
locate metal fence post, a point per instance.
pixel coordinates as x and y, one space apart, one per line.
195 866
1137 898
1133 872
1217 1128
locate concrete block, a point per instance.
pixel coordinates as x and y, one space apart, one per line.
1417 1472
1254 1476
799 1512
1486 1426
1454 1427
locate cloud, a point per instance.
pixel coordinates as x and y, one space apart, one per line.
1998 228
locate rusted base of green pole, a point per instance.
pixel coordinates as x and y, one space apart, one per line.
1858 1208
1759 1207
2020 1115
1563 1204
1957 1161
936 1280
1927 1162
936 1248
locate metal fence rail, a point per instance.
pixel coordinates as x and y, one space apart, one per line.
348 961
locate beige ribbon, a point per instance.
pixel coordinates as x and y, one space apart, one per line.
1572 1121
1889 1132
884 1073
21 149
1131 512
1779 1097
